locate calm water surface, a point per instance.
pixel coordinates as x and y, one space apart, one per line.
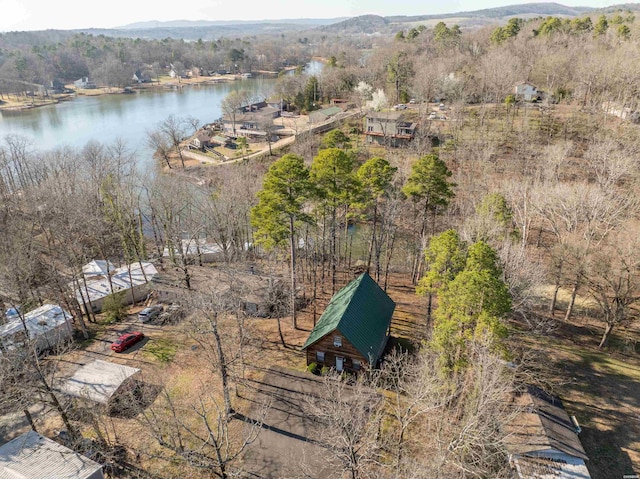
106 118
128 117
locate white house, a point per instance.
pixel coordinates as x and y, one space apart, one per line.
133 279
527 91
543 441
35 457
195 250
47 326
84 83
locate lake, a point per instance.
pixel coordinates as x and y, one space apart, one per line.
106 118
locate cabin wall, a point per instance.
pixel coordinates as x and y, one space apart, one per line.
346 351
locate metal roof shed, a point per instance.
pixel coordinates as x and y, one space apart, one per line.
36 457
99 381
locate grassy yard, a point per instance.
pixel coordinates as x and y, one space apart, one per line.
601 388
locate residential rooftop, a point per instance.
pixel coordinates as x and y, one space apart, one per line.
98 380
38 321
32 456
121 279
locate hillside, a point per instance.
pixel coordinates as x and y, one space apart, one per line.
214 23
204 32
527 9
361 24
364 24
376 24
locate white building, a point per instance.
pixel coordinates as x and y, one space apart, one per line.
132 279
527 91
98 268
542 440
195 249
100 381
33 456
47 326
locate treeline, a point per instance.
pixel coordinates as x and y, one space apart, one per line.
580 59
28 59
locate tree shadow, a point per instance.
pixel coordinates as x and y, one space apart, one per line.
133 401
601 396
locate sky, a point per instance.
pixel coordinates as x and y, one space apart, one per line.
71 14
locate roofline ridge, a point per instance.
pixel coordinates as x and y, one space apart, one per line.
359 285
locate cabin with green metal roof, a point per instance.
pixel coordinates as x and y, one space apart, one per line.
354 329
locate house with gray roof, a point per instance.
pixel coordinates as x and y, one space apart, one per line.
389 128
354 329
326 114
34 456
250 120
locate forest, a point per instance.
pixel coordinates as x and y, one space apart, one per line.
507 233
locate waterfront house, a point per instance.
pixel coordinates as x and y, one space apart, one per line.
354 329
201 140
141 77
84 84
250 120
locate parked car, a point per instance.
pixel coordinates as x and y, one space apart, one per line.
400 106
126 341
441 107
412 101
432 115
150 313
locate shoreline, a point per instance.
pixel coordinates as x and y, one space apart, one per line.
172 84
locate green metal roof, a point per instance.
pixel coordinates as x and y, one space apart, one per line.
327 112
362 312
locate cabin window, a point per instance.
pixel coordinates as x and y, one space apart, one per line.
337 341
369 128
356 364
320 356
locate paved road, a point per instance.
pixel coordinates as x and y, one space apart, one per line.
286 446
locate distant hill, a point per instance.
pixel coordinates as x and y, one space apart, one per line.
192 33
213 23
526 9
376 24
633 7
364 24
361 24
